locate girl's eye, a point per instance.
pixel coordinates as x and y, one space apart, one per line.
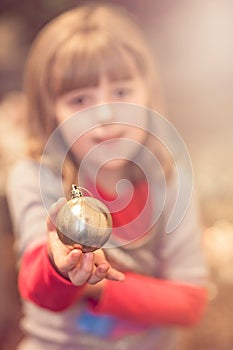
81 100
122 92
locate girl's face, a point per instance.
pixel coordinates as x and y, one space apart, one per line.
113 126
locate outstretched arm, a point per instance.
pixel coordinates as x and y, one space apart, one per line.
54 275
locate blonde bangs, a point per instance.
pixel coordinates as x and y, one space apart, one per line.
81 62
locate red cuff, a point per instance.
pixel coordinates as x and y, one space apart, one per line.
40 283
151 301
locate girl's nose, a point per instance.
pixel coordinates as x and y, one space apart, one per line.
105 113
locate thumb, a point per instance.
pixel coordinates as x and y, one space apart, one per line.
53 211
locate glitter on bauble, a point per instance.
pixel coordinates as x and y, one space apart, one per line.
84 221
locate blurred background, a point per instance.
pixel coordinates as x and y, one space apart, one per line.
193 46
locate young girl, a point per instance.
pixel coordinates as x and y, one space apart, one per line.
91 88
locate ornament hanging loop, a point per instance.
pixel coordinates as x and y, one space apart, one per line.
77 192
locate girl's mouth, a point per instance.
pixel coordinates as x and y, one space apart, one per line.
108 138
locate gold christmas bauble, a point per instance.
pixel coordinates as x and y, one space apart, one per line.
84 221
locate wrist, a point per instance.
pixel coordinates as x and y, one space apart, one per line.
94 291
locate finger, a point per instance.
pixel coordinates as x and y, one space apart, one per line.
99 273
99 257
72 259
66 263
53 211
81 273
56 246
63 256
112 274
115 275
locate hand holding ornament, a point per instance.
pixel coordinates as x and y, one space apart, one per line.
72 261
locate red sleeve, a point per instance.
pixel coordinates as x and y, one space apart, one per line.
40 283
152 301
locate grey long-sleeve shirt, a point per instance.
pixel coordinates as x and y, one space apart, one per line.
176 256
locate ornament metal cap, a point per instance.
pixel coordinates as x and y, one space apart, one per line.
75 192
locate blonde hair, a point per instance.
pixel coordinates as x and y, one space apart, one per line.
73 51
